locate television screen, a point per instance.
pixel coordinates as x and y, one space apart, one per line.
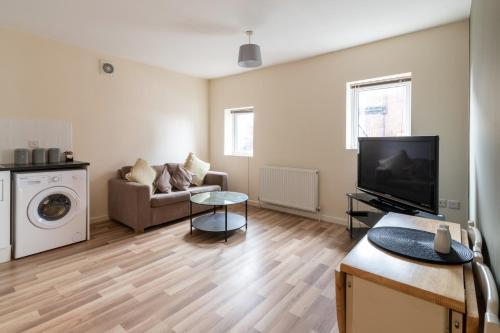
401 169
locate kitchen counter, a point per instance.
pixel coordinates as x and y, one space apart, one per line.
42 167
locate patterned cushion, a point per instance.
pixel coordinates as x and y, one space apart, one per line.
181 178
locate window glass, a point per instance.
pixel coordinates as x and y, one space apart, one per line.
243 133
377 108
238 131
381 112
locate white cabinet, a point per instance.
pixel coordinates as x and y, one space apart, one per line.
371 307
5 244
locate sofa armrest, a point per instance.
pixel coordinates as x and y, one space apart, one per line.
129 203
217 178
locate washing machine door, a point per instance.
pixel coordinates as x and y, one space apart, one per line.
53 207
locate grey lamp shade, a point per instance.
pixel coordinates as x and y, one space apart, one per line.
249 56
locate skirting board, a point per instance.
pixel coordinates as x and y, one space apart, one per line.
101 218
312 216
323 217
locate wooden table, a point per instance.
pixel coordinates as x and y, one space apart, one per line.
378 291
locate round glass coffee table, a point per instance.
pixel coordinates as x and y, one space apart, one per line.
218 222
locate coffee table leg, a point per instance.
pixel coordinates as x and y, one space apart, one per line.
246 215
225 232
214 208
191 216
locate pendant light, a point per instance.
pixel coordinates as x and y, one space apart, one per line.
249 55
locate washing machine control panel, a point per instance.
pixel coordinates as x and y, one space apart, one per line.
40 180
33 181
54 179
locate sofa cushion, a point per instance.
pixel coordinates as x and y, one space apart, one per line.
181 178
142 173
163 182
158 168
124 171
163 199
172 166
197 167
204 188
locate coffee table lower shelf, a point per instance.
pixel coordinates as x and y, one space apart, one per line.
217 222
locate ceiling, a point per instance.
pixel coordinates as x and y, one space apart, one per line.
201 37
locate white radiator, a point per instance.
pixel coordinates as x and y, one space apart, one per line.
290 187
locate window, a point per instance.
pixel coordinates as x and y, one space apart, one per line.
238 128
378 107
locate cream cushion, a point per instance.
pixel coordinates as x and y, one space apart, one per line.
142 173
197 167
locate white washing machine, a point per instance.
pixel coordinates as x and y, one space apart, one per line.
50 210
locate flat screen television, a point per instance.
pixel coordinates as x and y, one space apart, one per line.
401 170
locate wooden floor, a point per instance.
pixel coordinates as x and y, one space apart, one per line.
276 277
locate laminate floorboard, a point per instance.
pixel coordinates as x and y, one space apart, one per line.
278 276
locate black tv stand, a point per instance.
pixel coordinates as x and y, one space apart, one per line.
385 206
370 218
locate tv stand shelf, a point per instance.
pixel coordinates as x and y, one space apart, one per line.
370 218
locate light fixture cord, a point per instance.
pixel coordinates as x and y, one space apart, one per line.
249 34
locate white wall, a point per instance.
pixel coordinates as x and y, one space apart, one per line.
485 124
300 109
16 133
140 111
300 112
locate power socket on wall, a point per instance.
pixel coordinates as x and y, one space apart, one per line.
453 204
33 144
443 203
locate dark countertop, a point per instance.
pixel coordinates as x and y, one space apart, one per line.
41 167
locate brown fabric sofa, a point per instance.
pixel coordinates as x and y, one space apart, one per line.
132 203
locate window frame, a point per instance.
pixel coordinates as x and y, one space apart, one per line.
352 100
230 130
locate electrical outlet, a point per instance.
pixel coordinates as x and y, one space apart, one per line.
443 203
33 144
453 204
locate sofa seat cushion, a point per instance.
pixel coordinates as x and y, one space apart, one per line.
204 188
163 199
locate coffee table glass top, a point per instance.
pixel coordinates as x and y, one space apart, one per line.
219 198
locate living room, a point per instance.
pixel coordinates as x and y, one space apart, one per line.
200 102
